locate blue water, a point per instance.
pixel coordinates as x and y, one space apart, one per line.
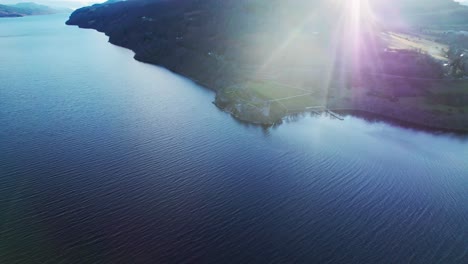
107 160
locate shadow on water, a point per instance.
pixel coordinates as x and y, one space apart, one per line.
375 118
372 118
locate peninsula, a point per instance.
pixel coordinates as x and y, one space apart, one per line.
266 60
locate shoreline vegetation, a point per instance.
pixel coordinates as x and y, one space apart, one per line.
421 109
412 74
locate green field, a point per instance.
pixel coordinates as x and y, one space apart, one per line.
281 95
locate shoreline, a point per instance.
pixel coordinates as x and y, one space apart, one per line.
402 119
367 115
359 113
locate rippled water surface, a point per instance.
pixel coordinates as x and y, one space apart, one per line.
107 160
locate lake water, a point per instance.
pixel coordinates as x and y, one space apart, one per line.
107 160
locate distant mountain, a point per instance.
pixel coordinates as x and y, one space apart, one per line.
71 4
183 35
155 29
29 9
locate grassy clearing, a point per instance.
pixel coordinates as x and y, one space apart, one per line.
303 102
290 97
409 42
283 98
271 90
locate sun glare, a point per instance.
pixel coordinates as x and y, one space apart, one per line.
343 46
